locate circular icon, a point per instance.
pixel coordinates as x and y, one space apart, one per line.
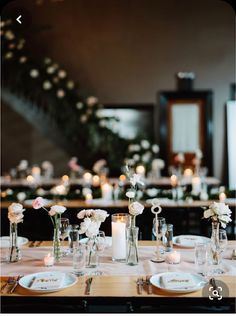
215 291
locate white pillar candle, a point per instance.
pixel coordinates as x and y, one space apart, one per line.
173 257
48 260
119 223
107 191
196 185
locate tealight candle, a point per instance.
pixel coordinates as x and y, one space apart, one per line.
87 177
188 172
222 197
173 257
96 181
122 178
48 260
173 180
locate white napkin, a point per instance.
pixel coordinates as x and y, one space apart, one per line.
178 281
189 241
48 282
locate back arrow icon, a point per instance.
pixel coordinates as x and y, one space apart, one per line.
18 19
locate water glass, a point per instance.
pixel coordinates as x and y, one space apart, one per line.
223 240
201 250
168 238
73 237
79 260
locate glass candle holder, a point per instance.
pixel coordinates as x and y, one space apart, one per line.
119 224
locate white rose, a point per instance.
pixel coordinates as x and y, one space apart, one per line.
208 213
136 208
84 225
155 148
15 213
145 144
136 179
130 194
100 215
146 157
59 209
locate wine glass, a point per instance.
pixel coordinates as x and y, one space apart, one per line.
64 231
223 240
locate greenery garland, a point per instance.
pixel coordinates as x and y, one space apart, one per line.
47 86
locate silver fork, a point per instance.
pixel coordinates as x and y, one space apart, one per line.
12 289
10 281
140 285
149 284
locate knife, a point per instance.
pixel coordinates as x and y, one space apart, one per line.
88 286
15 284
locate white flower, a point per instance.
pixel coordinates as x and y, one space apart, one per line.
130 162
70 85
23 165
47 85
103 123
91 101
130 194
146 157
93 229
15 213
47 61
79 105
51 70
60 93
145 144
9 35
34 73
56 209
85 213
9 192
99 165
41 191
21 196
84 225
158 164
152 192
22 59
83 118
136 157
208 213
136 208
180 158
62 74
155 148
100 215
219 212
136 179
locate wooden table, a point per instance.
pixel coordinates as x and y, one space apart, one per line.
120 291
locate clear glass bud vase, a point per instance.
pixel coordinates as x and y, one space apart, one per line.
132 245
14 250
215 244
56 244
92 253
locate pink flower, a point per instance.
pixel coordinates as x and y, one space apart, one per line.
38 203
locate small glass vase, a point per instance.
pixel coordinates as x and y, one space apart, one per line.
215 244
92 253
14 250
132 244
56 244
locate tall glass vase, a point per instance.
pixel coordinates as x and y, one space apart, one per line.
132 243
14 250
92 253
215 244
56 242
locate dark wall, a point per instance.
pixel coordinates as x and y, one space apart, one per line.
125 51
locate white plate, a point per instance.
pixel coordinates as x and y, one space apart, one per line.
192 240
108 241
69 280
5 241
198 280
29 202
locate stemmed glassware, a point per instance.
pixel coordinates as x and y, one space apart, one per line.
64 231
